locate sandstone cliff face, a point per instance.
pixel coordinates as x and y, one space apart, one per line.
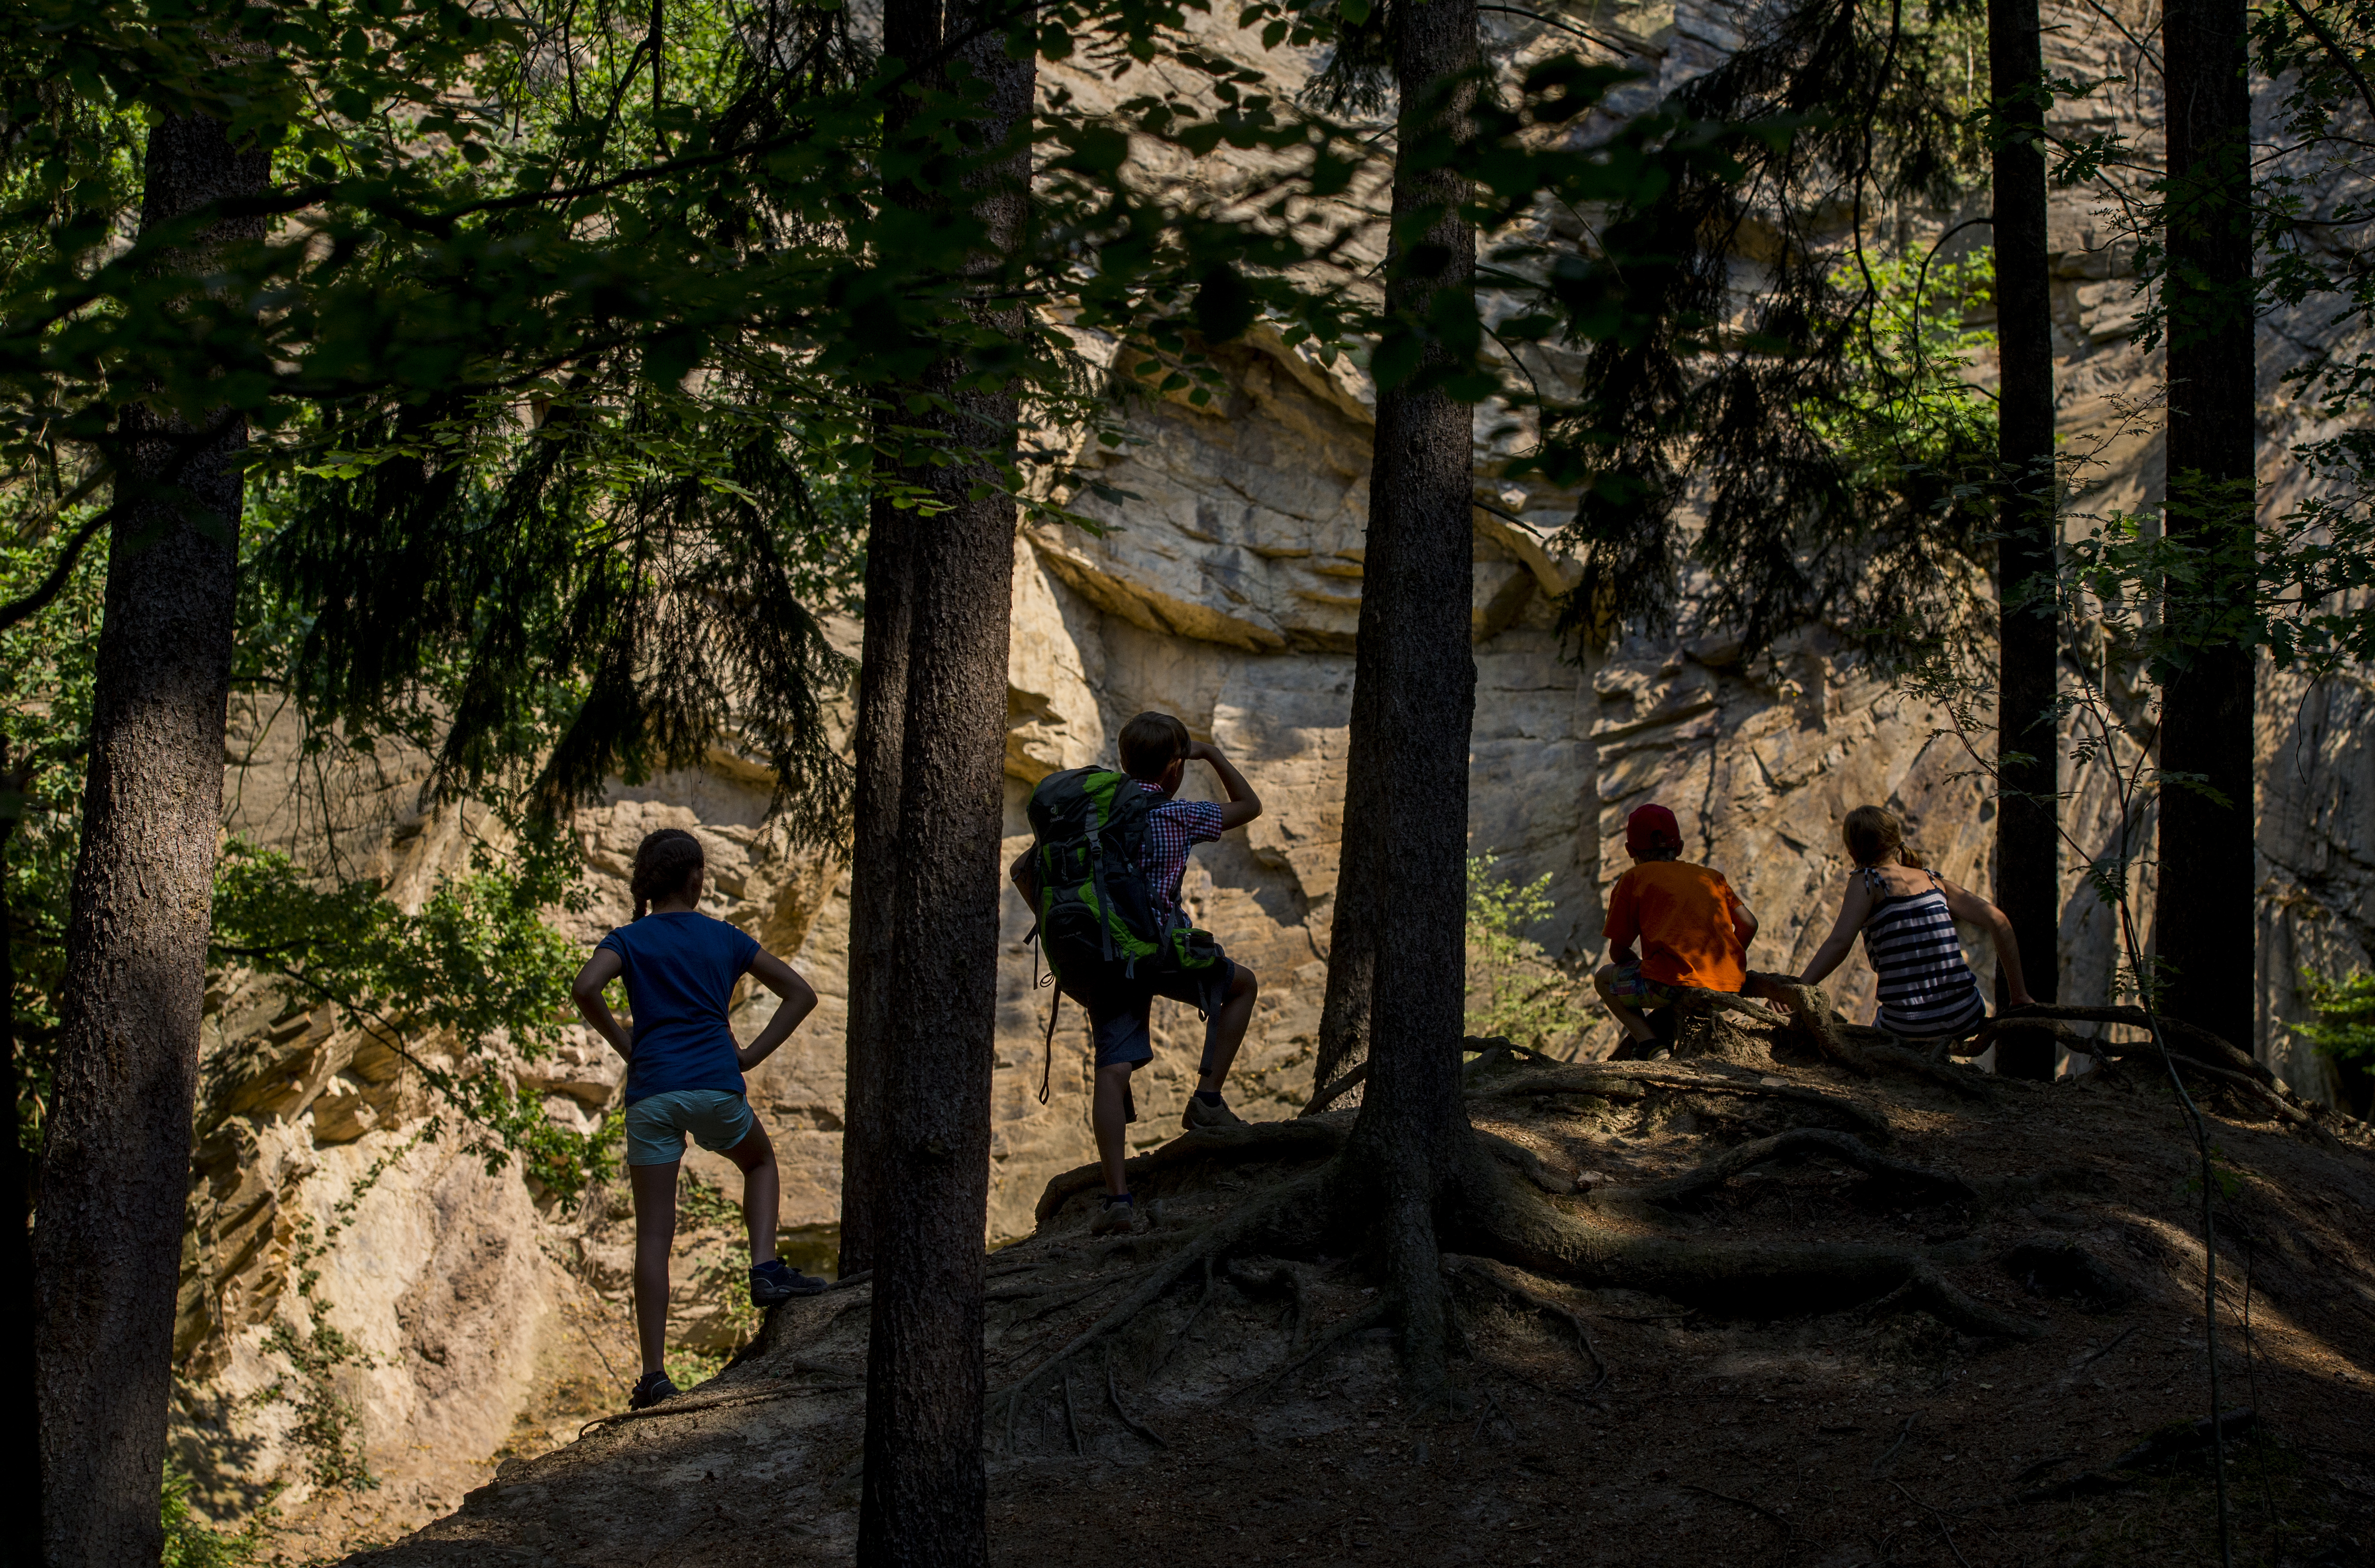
1227 591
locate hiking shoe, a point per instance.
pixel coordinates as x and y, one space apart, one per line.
654 1388
1202 1118
775 1281
1115 1215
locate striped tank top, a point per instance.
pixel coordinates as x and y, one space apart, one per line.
1926 988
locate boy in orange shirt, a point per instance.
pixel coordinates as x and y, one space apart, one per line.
1693 928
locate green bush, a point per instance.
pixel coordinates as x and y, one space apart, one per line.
1514 989
2344 1026
191 1542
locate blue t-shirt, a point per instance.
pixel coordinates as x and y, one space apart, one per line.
681 966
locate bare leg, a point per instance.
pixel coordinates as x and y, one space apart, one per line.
1228 1030
762 1190
1634 1024
1105 1115
655 1192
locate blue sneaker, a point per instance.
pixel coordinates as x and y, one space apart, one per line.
774 1283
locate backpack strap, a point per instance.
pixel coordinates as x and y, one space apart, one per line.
1097 876
1047 1061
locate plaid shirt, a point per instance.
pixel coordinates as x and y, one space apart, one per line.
1172 830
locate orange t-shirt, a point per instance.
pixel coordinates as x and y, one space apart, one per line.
1681 914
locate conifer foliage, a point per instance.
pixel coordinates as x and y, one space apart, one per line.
1693 396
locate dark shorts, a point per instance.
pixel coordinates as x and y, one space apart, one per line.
1117 1009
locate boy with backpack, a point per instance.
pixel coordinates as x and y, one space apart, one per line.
1102 875
1693 929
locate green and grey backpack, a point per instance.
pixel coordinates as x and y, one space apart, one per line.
1097 913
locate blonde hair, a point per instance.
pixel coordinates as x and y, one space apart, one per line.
1874 836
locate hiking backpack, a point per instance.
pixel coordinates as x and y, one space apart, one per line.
1097 908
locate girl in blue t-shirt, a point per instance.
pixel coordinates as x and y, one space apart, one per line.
684 1074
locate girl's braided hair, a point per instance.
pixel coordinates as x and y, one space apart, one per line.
664 861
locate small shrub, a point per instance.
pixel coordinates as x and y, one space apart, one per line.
2344 1026
1514 989
191 1542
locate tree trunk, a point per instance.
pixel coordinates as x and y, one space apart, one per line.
924 1497
115 1170
1353 931
1416 667
2029 885
21 1410
2205 920
873 879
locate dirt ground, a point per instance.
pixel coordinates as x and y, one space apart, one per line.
1704 1433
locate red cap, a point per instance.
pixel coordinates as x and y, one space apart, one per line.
1651 827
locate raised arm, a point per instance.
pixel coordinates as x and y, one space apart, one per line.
799 999
1244 805
586 991
1969 906
1854 910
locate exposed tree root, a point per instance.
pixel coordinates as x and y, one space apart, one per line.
1374 1315
1494 1050
1507 1281
2289 1108
2200 1041
1113 1397
1617 1080
1859 1050
1248 1144
1281 1280
1495 1222
1796 1141
1203 1299
1809 1011
1547 1177
1240 1227
1322 1099
1748 1278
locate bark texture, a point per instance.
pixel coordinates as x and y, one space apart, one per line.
2204 919
1415 667
2027 863
924 1495
1352 926
115 1168
873 877
21 1411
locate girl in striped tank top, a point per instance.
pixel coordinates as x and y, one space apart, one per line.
1907 914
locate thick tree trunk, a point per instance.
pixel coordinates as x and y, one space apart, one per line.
20 1409
1416 667
1353 931
2027 865
115 1169
2205 920
926 1495
873 879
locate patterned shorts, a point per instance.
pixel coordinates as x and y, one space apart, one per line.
1628 984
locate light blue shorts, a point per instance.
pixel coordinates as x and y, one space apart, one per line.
657 1123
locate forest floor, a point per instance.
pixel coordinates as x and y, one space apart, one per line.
1715 1434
